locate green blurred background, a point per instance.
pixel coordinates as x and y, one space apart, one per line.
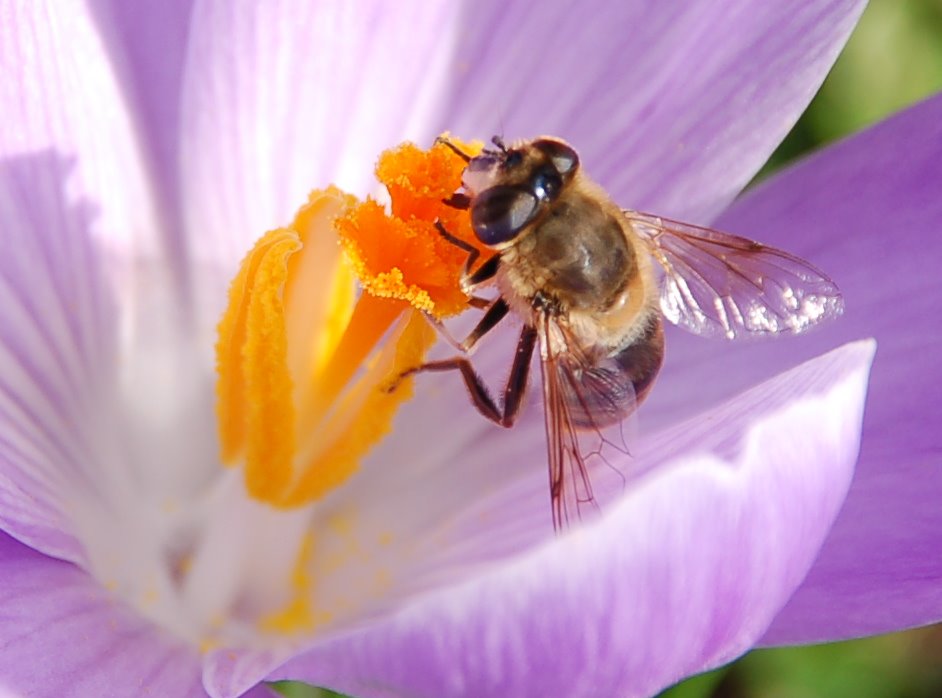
893 59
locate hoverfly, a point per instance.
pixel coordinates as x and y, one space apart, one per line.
591 282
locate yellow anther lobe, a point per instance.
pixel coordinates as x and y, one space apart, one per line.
254 389
355 437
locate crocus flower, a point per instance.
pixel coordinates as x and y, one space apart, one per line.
145 147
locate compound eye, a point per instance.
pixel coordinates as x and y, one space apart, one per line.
499 213
565 160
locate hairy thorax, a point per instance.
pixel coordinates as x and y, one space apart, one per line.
578 259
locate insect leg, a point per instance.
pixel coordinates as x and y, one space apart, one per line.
480 395
473 252
455 149
460 201
483 273
479 302
519 373
496 311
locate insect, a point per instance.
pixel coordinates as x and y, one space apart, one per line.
591 283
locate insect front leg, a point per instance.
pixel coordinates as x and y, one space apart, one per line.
468 281
471 280
455 149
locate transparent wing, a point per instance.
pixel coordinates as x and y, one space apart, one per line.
717 284
585 403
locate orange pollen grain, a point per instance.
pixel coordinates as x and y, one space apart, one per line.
401 254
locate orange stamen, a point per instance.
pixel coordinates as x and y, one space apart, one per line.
307 362
402 255
302 360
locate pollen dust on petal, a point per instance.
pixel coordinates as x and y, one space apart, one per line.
299 614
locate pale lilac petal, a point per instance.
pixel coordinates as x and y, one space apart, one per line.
684 573
868 211
83 270
75 207
232 673
62 634
60 101
57 345
283 97
148 41
673 106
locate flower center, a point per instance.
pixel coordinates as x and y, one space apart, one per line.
304 358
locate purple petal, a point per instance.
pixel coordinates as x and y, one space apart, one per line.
867 211
62 634
684 573
284 97
674 106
